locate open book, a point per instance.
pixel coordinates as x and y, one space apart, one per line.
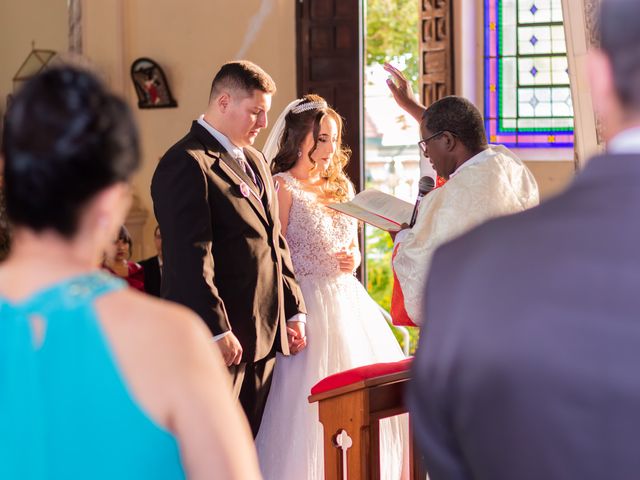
378 209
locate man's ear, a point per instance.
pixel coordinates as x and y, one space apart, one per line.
450 141
601 80
223 101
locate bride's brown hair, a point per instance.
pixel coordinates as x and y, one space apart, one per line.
297 126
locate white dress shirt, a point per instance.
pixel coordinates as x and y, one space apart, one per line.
627 141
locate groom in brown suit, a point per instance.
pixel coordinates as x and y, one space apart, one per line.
224 256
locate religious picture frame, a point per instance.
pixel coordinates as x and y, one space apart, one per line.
151 85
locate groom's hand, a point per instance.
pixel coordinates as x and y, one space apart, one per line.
231 349
297 336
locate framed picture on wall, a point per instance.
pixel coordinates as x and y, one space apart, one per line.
151 85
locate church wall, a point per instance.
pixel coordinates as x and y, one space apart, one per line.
552 176
43 22
190 40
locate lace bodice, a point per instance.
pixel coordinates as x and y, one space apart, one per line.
315 233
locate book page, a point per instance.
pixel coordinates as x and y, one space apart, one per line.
378 209
384 205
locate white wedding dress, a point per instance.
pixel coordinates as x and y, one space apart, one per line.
344 330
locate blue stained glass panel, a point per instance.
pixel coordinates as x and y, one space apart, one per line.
527 94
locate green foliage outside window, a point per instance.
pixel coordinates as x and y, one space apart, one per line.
380 275
392 35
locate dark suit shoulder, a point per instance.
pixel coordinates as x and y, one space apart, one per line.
188 157
189 145
149 261
197 143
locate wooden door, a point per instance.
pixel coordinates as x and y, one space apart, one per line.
436 50
329 55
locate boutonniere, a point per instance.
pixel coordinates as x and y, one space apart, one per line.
244 190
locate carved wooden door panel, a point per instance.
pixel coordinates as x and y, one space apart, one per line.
436 50
329 39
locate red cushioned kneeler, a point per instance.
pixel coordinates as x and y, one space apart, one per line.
350 407
354 375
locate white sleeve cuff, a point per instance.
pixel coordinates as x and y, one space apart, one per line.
223 334
299 317
401 236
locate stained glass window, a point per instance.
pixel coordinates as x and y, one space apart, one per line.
527 93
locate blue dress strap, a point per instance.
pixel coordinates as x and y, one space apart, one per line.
21 378
65 410
70 293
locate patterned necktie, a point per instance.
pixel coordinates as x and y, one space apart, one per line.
244 164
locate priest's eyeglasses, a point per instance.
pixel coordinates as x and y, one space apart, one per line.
424 143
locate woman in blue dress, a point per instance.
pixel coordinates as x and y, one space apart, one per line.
96 380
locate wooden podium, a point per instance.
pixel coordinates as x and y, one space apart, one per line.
351 404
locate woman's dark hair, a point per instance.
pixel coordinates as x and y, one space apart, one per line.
125 236
297 127
65 139
242 75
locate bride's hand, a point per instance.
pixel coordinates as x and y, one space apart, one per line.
348 260
297 336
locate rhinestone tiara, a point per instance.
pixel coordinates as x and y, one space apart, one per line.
303 107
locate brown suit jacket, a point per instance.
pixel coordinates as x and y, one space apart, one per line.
223 251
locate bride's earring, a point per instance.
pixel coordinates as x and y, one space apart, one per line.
299 153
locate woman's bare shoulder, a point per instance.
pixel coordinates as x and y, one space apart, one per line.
165 323
283 183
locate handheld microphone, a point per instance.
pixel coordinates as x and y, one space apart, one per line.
425 185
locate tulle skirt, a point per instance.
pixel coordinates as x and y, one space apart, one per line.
344 330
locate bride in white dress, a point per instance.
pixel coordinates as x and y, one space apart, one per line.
344 327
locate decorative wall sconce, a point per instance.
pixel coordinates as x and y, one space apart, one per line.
151 85
36 62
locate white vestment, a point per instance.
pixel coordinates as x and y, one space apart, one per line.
493 183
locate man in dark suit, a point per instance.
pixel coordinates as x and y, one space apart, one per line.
223 252
528 364
152 266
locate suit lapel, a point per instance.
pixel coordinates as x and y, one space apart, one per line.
233 164
260 169
240 179
231 168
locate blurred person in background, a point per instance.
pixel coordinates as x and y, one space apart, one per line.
152 266
117 261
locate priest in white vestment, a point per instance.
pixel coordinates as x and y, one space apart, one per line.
490 184
482 182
